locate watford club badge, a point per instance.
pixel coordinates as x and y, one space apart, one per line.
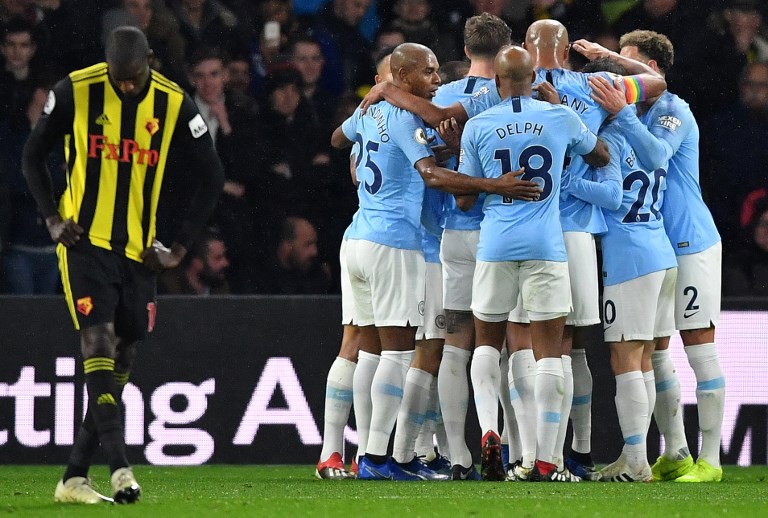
85 305
153 125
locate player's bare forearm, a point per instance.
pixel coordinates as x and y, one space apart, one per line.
460 184
653 82
339 140
424 108
599 156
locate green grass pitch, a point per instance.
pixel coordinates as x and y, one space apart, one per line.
293 491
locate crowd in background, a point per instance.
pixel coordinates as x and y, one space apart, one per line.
273 78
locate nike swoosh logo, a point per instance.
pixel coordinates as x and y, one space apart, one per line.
686 315
381 476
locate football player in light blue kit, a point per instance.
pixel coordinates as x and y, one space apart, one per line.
384 257
666 131
639 272
484 36
352 366
521 248
547 41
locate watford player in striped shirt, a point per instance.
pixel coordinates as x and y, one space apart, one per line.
118 121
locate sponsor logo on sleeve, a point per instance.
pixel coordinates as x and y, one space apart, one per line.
670 122
197 126
50 103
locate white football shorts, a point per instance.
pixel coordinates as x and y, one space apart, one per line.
582 268
697 294
347 299
387 284
640 308
544 287
434 316
458 253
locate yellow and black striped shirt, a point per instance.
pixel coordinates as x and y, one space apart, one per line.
116 154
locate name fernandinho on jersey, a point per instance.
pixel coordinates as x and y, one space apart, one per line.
381 125
519 129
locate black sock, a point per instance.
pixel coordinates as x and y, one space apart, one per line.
376 459
103 405
582 458
87 439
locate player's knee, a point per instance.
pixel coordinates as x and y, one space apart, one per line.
458 321
98 341
125 355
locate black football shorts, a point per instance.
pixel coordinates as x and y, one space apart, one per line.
101 286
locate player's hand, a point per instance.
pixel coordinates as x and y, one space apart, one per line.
546 92
510 185
373 96
450 131
219 112
590 50
66 232
608 95
443 153
158 258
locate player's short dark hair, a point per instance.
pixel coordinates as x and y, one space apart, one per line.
453 71
303 38
18 25
652 44
605 65
125 45
380 55
485 35
204 53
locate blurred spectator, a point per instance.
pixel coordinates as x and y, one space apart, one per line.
582 17
209 23
414 21
73 32
734 149
203 271
162 30
30 263
307 58
238 75
745 271
676 19
25 10
275 26
731 39
388 36
453 71
231 118
348 64
294 269
18 47
293 142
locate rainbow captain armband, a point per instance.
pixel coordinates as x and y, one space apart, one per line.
634 89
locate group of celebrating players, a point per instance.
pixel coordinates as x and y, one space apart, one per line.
491 257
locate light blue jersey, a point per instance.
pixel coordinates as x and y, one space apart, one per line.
635 243
522 132
432 233
453 217
574 91
390 191
672 135
573 88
